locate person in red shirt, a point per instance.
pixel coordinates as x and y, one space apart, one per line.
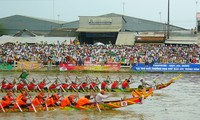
20 86
73 86
65 85
54 85
32 85
83 86
10 86
93 84
125 84
105 84
3 84
42 84
115 84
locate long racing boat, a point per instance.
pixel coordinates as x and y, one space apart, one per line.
96 89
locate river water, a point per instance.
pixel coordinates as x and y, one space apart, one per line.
179 101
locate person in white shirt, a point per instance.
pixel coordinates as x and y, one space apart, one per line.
100 96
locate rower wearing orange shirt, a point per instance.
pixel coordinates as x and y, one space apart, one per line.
52 100
39 99
7 100
82 101
21 100
68 101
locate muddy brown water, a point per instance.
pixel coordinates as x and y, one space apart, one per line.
179 101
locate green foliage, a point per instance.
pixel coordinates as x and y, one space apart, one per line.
2 30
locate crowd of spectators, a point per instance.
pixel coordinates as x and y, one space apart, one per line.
80 54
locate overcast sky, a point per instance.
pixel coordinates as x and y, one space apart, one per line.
182 12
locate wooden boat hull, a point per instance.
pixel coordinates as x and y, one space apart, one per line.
107 105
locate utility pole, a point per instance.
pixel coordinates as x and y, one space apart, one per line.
168 19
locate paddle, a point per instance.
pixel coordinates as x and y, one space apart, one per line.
97 105
18 104
72 85
61 84
2 107
31 101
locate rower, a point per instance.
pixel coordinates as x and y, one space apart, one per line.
105 84
93 84
66 84
7 100
42 84
52 100
21 100
83 101
100 96
125 84
3 83
144 84
54 85
39 99
69 100
32 85
10 85
21 85
115 84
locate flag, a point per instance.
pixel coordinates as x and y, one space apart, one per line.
71 42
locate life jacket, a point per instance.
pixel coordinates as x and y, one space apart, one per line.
31 86
41 85
21 100
125 84
50 101
73 86
65 85
83 86
3 85
20 86
53 86
6 101
65 102
114 85
92 85
82 101
36 102
72 99
10 86
103 85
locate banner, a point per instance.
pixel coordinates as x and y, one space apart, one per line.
5 66
167 67
28 65
90 66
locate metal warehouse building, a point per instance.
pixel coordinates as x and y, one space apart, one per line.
115 28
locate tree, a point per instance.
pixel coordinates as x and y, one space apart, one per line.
2 30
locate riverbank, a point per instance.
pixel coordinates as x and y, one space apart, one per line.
123 69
